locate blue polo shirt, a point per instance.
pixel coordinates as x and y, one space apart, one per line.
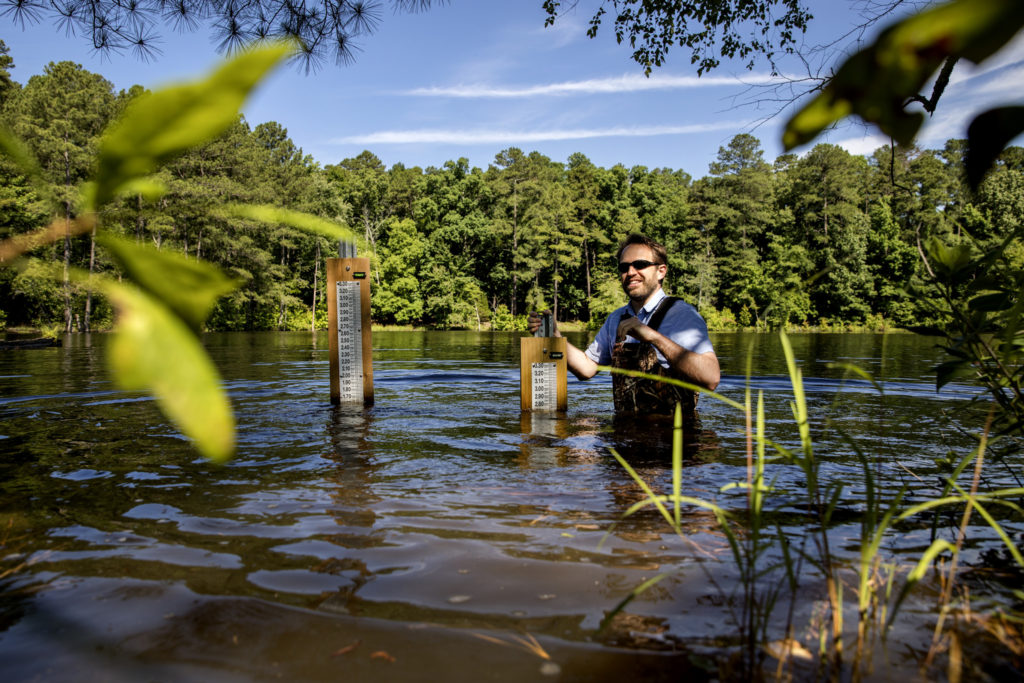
682 324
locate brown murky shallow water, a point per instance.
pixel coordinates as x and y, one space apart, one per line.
440 534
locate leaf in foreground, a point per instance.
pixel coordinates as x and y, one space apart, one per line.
275 215
158 126
876 82
987 136
153 350
189 287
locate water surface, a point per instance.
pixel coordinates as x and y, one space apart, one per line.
430 536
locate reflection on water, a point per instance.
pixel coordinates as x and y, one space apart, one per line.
420 538
649 440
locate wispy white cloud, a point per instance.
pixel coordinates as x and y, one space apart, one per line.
596 86
569 29
1009 55
864 145
1003 82
481 137
970 96
974 88
950 121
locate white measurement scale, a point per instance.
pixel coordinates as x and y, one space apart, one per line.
350 342
543 386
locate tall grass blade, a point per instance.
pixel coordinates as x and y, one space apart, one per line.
677 462
759 489
799 404
633 594
654 499
940 545
689 500
996 526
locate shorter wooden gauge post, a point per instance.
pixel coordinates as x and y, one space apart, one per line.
348 321
543 365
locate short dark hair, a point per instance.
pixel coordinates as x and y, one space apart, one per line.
657 247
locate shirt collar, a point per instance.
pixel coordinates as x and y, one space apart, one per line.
649 306
652 302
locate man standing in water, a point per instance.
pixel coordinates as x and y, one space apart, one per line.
653 333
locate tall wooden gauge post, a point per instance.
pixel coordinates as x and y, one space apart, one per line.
348 319
543 365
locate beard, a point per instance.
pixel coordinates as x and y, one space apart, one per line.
642 290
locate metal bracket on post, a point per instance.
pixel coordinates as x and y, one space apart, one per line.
348 312
347 249
547 326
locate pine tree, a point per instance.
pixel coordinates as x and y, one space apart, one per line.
61 115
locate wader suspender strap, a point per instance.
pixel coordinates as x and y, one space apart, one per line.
659 314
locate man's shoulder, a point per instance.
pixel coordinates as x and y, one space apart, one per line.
676 303
681 310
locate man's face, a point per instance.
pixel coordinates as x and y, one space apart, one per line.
640 284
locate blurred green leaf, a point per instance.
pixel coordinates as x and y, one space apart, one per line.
150 188
989 133
158 126
951 370
948 260
153 350
955 351
296 219
987 281
188 287
877 82
998 301
927 330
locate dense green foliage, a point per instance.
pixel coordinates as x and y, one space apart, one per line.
824 239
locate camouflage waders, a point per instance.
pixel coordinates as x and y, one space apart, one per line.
644 396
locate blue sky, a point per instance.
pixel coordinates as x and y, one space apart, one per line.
471 78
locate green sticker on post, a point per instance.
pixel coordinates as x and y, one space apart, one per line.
358 276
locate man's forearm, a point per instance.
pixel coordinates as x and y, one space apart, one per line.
700 368
579 362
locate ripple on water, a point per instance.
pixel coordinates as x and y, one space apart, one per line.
82 475
299 581
441 505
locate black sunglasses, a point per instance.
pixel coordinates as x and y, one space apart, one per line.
639 264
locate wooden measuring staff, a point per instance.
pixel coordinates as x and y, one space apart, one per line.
348 321
542 370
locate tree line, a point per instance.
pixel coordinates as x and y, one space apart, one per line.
826 238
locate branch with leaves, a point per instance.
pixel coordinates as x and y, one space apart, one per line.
879 82
711 30
322 28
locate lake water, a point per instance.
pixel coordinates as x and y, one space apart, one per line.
440 534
